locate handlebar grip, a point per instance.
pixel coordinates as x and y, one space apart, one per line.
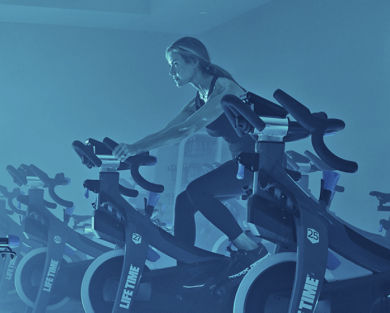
99 147
313 122
86 153
234 107
19 178
59 179
60 201
143 182
4 191
111 144
301 113
329 157
141 159
318 125
40 174
135 162
264 107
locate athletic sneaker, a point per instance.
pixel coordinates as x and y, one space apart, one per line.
242 261
237 266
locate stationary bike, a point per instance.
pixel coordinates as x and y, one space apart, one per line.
308 275
42 275
122 281
10 225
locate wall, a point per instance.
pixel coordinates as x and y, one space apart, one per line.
61 84
333 56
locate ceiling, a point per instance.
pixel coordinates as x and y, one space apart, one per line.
170 16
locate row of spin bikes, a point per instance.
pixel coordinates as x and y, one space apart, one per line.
316 263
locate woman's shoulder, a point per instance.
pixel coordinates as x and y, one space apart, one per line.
225 85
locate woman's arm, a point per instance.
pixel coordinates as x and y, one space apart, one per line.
165 136
209 112
147 143
186 111
186 123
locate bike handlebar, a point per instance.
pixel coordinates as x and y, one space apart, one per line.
90 159
318 124
135 162
235 110
17 175
52 183
86 153
10 196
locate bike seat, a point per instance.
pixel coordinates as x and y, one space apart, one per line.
264 107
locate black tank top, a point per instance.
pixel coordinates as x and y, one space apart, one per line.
221 127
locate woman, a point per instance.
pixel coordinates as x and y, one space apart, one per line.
190 64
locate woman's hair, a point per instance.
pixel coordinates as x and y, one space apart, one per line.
192 49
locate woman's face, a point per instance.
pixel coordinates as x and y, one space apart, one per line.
181 71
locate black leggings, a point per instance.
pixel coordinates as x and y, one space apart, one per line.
202 194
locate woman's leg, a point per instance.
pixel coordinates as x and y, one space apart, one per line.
221 182
184 222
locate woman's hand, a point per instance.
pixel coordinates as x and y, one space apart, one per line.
123 151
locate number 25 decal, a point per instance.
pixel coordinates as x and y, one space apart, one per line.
313 235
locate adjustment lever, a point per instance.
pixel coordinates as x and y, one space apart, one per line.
128 192
249 160
92 185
